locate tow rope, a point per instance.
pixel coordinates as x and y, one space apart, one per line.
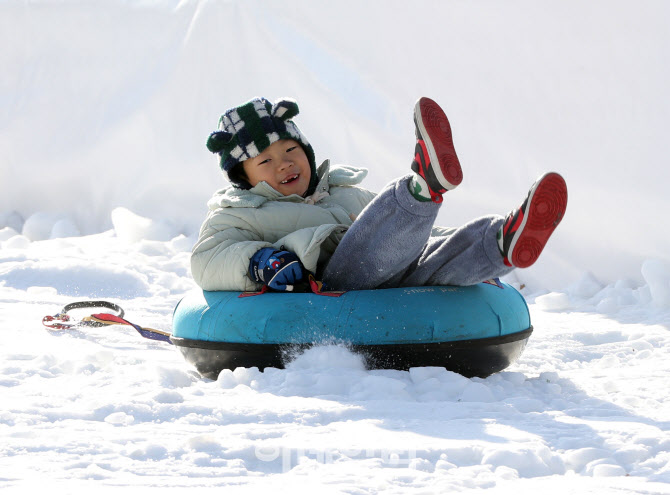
64 321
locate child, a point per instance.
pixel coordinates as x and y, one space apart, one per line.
283 217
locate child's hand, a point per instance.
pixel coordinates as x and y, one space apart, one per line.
278 270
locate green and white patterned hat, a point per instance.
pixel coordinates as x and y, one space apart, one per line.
245 131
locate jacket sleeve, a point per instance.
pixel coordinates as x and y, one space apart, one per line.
220 257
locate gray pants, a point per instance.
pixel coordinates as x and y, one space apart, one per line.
390 245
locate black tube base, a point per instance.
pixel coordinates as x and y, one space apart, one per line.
478 357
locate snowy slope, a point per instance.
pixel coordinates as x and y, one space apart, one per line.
104 110
108 104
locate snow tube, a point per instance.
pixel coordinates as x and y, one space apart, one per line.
474 331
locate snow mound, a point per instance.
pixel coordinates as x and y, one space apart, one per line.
554 301
133 228
657 275
76 280
44 225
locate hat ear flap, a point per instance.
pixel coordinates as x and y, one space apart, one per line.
285 109
218 140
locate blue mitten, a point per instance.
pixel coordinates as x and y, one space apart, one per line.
278 270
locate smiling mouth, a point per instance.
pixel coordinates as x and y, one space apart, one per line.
290 178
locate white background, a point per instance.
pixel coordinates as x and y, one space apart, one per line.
106 104
104 111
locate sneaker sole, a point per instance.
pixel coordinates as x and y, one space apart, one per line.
436 133
545 206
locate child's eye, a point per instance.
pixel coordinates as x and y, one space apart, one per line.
267 160
291 149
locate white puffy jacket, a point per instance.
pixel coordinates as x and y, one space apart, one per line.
240 222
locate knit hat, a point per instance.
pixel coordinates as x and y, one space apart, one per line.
245 131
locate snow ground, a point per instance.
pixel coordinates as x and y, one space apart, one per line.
584 410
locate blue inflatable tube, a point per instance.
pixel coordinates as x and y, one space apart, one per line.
474 331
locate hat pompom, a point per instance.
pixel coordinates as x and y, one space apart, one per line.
285 109
218 140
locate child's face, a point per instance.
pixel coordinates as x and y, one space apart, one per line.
283 165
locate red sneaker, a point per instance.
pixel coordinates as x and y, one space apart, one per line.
527 229
435 158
